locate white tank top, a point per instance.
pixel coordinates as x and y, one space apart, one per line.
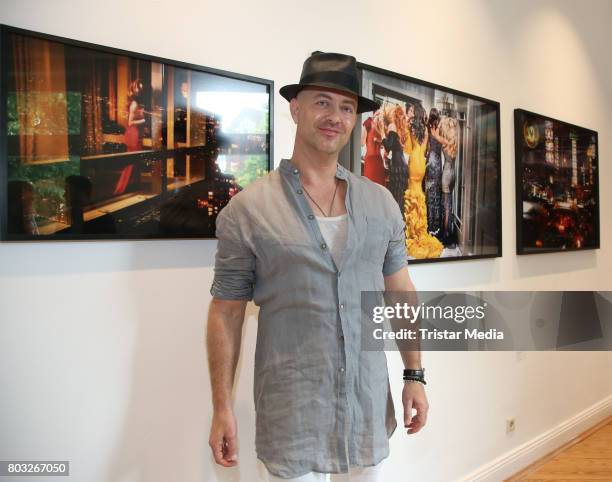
334 231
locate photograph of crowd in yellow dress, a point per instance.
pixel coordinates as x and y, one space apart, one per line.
437 151
102 143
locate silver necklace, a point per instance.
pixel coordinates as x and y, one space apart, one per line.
332 201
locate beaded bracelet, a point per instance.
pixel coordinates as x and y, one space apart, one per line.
418 381
415 379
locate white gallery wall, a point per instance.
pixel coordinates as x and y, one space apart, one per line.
102 360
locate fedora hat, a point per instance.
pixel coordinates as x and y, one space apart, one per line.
333 71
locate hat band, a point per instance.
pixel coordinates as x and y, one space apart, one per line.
344 80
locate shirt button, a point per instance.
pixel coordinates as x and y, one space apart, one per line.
295 171
341 306
341 369
324 246
311 216
299 191
341 337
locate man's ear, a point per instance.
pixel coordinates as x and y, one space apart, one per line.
294 107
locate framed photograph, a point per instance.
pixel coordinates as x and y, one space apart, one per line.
557 186
438 151
100 143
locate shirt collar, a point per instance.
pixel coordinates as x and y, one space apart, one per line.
287 167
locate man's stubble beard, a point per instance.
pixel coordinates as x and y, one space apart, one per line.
329 148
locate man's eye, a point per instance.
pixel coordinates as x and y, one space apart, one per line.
322 103
348 109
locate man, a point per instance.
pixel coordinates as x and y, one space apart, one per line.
303 242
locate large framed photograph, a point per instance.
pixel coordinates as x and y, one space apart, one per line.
438 151
557 186
100 143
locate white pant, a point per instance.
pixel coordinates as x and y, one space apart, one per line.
355 474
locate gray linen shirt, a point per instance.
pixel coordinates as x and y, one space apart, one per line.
312 380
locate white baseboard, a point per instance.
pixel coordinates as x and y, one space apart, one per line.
517 459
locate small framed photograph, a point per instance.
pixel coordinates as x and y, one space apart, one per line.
557 187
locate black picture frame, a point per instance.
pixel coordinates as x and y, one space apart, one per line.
483 230
557 185
186 158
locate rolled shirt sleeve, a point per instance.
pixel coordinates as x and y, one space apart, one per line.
396 256
234 261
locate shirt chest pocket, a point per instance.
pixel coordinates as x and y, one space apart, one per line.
375 241
277 254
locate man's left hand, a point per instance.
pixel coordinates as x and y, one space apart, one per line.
413 396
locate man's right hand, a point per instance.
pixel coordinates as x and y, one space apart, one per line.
224 438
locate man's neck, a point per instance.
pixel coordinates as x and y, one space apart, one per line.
315 167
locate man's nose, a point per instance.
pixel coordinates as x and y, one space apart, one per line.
333 115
